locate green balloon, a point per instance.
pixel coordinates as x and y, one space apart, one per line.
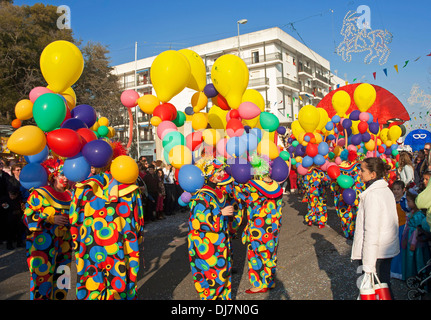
180 119
293 161
49 111
103 131
295 143
172 139
269 121
345 181
331 155
285 155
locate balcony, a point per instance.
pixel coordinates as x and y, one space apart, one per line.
282 81
322 79
303 70
270 57
258 82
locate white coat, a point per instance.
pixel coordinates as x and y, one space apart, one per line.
376 231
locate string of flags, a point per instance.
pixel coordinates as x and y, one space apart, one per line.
385 70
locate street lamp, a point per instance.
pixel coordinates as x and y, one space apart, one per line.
242 21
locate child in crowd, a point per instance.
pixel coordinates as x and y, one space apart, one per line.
398 189
415 253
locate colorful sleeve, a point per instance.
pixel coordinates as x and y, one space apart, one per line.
37 212
205 214
138 211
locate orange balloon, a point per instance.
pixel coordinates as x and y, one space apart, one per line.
16 123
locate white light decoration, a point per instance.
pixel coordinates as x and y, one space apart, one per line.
356 40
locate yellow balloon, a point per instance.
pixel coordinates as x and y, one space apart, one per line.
324 118
170 73
198 78
309 118
199 101
124 169
95 126
217 117
27 141
300 137
341 102
354 127
199 121
61 64
103 121
229 75
296 128
268 148
211 136
384 134
147 103
70 101
364 96
394 133
180 155
155 121
24 109
370 145
388 143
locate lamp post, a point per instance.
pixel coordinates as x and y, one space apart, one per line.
242 21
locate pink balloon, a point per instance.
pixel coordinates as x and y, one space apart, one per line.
37 92
248 110
129 98
338 160
221 147
164 127
234 128
301 170
364 116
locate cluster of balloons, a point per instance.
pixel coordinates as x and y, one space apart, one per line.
64 129
319 141
235 125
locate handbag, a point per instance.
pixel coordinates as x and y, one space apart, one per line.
372 289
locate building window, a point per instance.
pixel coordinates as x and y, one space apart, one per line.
255 57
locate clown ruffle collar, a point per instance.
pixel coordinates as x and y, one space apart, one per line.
104 186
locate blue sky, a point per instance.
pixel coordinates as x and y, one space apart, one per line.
161 25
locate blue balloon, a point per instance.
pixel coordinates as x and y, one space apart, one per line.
366 137
240 169
336 118
279 169
329 126
181 202
356 139
33 175
354 115
347 123
319 159
349 196
190 178
323 148
97 153
300 150
257 132
373 127
39 157
235 146
189 111
76 168
85 113
250 140
307 161
74 124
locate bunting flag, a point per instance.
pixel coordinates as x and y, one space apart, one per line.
374 74
396 67
407 61
385 71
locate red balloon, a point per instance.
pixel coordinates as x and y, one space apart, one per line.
312 150
234 114
333 171
380 149
194 140
222 103
165 111
362 126
86 134
64 142
234 128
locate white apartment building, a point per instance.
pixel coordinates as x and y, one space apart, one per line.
287 73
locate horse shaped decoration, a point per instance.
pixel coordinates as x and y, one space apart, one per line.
357 40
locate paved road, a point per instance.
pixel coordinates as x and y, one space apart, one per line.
313 264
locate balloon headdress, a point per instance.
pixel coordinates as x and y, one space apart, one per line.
260 165
210 166
53 167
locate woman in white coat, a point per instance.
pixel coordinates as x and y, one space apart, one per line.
376 240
